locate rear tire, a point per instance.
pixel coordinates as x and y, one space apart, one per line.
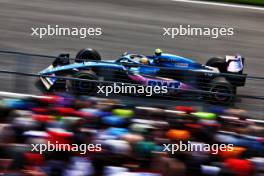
83 87
217 62
221 91
87 54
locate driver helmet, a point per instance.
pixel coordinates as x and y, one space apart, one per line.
125 53
144 60
158 52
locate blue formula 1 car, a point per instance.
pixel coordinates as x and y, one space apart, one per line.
219 76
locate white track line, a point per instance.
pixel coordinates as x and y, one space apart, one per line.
221 4
19 95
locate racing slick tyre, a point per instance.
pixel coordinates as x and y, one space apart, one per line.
87 54
62 59
221 91
217 62
83 87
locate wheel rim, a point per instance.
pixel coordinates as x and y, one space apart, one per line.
222 93
84 86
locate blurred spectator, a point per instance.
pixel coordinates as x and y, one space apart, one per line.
131 139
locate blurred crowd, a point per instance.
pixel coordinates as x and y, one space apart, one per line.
131 137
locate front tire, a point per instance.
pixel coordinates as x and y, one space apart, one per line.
87 54
62 59
83 87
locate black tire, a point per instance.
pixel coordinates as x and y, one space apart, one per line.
221 91
217 62
83 87
87 54
62 59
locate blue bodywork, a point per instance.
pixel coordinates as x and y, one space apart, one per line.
52 70
169 70
77 66
164 60
152 68
106 69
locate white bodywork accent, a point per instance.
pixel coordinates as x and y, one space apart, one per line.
47 81
235 64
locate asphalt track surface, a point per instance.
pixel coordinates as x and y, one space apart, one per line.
134 26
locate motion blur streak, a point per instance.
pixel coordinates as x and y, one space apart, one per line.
221 4
125 30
